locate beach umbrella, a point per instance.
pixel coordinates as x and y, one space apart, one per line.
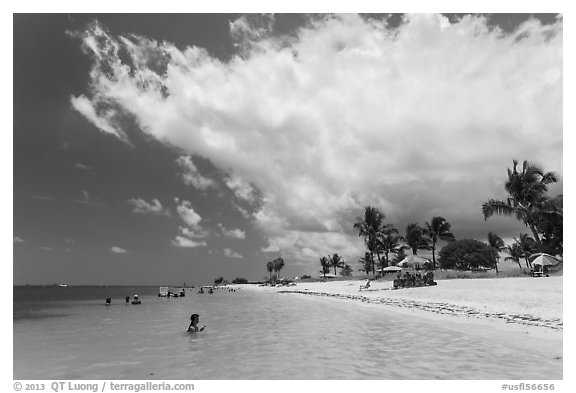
543 259
412 260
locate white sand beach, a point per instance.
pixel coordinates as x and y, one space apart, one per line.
531 304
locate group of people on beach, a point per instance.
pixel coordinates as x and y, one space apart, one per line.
414 280
211 290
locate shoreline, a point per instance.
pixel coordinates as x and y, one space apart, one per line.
530 305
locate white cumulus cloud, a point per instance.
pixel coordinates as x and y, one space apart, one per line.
140 206
191 176
118 250
187 213
229 253
180 241
419 120
235 233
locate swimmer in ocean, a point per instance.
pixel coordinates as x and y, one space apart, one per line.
194 319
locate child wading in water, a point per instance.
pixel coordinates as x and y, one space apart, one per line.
194 319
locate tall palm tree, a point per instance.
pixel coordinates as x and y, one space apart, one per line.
528 247
369 227
416 238
270 267
325 262
526 190
389 240
515 252
438 229
367 263
346 270
497 244
336 261
278 264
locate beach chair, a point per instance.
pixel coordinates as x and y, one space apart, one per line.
365 286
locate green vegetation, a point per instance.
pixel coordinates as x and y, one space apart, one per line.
468 254
336 261
497 244
220 281
528 201
367 263
325 263
346 270
270 268
439 228
416 238
239 280
390 242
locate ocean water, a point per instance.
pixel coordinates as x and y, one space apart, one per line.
68 333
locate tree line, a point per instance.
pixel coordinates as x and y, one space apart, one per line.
527 200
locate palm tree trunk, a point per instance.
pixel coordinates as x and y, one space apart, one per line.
536 237
527 263
433 256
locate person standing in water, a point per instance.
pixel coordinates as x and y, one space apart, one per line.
194 319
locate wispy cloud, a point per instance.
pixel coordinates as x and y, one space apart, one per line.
229 253
154 207
83 167
180 241
191 176
118 250
235 233
241 188
42 197
188 235
18 239
418 120
88 199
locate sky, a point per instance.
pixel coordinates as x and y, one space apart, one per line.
161 149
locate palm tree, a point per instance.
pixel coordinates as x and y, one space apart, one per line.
526 196
270 268
346 270
367 263
336 261
415 237
515 252
439 228
278 264
389 240
528 247
550 223
325 262
497 244
369 226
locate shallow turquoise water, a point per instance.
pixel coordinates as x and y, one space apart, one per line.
252 335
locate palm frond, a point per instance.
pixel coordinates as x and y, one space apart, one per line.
494 206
